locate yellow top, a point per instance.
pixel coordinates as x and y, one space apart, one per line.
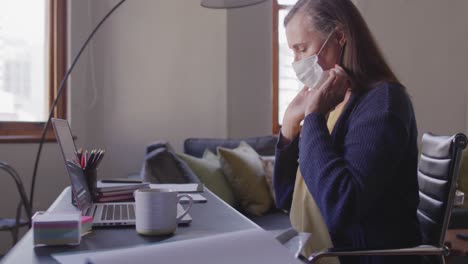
305 216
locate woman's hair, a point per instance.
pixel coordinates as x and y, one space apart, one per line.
362 59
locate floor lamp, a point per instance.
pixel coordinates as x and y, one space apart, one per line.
222 4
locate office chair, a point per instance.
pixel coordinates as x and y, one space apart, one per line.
437 177
10 224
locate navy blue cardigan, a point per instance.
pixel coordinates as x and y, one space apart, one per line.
363 176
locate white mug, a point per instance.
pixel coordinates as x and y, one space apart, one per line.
156 211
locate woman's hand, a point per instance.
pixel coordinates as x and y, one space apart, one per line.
321 99
327 96
294 115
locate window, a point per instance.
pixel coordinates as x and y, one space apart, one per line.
285 83
32 64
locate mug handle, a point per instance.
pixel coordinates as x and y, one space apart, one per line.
180 196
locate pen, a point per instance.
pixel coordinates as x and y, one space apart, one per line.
85 160
101 156
91 159
82 162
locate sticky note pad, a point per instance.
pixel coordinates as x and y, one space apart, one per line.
56 229
86 224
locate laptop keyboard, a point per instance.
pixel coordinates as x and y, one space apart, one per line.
118 212
114 212
122 212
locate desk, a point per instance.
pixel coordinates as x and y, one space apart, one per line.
212 217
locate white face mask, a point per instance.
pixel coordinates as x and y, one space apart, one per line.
308 71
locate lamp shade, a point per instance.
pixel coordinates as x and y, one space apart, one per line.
229 3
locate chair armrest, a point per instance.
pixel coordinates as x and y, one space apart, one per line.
419 250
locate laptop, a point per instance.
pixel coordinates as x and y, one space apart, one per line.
104 214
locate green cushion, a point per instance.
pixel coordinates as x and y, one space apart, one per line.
210 173
244 171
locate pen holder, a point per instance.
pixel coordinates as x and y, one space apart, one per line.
91 181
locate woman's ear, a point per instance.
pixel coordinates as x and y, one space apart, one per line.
340 36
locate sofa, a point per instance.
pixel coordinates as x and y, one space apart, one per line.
273 219
276 219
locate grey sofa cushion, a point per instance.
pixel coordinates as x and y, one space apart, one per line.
163 166
264 146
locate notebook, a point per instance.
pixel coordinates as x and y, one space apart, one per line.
104 214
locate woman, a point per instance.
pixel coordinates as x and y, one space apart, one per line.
356 153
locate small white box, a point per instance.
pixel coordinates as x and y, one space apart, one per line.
51 229
459 198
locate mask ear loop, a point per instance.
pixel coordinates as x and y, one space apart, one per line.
325 43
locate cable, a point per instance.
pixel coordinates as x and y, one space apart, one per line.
59 93
19 185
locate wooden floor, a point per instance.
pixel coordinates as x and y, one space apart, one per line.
458 247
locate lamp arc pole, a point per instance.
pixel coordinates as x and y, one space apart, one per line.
59 93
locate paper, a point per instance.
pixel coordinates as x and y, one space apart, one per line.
110 187
182 188
247 247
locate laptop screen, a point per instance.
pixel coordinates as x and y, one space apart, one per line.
80 193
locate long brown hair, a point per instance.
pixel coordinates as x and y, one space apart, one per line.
362 59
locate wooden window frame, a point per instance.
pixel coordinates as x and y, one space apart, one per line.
28 132
276 8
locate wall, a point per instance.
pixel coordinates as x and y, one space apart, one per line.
249 80
425 42
160 75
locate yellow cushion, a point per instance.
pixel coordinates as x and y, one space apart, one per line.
244 172
208 155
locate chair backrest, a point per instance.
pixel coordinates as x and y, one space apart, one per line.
437 176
